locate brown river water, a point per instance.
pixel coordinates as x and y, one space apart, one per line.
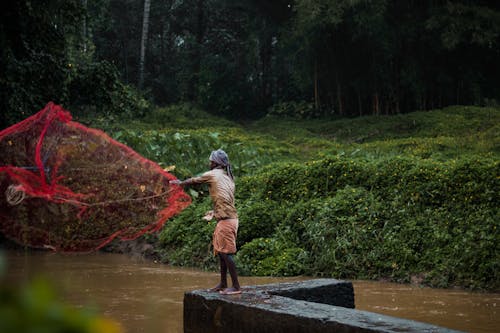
147 297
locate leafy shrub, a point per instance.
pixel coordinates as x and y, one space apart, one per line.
258 219
457 249
342 234
270 257
187 239
388 218
292 109
356 218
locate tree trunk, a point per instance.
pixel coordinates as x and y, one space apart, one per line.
376 106
316 91
84 27
265 59
145 26
360 106
195 57
339 96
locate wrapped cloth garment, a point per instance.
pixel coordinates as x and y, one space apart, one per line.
224 238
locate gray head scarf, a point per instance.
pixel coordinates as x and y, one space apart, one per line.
220 158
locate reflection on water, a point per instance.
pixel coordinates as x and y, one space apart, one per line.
147 297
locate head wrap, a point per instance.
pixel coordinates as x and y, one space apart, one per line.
220 158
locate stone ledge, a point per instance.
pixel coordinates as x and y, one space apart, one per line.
288 308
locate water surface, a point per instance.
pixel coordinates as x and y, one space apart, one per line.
147 297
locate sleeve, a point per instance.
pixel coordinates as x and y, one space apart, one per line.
207 177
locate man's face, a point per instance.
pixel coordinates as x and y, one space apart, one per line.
212 165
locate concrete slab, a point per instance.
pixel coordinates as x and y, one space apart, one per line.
321 305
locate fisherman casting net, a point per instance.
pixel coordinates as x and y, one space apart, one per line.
67 187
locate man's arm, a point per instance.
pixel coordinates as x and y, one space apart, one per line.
205 178
188 181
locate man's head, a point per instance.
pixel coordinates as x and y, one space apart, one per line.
219 158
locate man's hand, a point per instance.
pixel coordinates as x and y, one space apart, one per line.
175 182
209 215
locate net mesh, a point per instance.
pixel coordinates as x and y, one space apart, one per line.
71 188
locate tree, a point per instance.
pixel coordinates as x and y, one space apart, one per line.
144 38
36 41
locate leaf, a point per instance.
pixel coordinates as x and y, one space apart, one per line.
193 193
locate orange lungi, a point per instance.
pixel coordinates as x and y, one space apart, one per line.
224 239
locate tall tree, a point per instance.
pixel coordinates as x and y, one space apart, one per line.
144 39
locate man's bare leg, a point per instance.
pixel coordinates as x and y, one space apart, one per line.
223 275
235 289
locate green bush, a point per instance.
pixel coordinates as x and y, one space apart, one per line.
187 239
270 257
343 234
356 218
28 83
383 218
258 219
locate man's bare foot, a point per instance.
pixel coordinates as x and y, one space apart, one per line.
230 291
218 287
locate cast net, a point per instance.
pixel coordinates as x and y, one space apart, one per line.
71 188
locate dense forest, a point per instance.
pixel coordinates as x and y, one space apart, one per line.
245 59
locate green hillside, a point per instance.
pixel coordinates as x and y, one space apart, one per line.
182 135
405 198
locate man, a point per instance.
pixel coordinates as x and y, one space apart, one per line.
221 187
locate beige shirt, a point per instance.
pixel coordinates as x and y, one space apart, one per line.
221 188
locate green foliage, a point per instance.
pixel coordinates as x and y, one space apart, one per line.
186 240
343 235
181 138
260 218
186 116
35 308
440 134
271 257
299 110
398 206
33 55
464 18
386 218
240 59
47 57
389 197
95 89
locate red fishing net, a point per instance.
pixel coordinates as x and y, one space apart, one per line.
67 187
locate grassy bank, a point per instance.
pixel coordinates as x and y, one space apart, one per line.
405 198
